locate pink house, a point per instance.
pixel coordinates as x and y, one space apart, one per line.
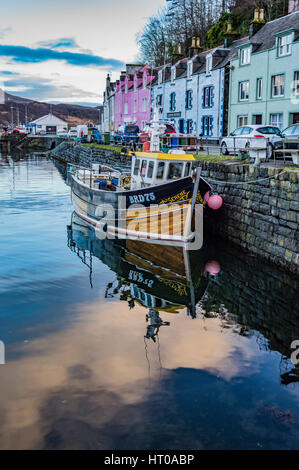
132 102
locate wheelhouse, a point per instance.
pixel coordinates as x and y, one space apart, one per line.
150 169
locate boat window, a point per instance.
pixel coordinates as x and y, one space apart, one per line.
160 170
150 169
143 168
136 167
175 170
187 169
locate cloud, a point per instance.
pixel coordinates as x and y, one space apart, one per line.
23 54
7 72
3 31
61 42
42 89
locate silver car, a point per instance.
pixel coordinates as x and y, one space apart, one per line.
245 137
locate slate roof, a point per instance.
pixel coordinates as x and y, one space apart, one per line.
265 37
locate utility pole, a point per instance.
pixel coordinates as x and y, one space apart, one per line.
11 115
18 116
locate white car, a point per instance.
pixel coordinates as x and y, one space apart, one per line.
72 133
245 137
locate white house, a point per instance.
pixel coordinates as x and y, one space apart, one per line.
48 124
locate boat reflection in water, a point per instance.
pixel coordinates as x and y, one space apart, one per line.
159 277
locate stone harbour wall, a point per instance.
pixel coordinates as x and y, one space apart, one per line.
260 213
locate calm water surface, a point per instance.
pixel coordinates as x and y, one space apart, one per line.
90 366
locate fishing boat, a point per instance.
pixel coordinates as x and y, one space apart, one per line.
159 199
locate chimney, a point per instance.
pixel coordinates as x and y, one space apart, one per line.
177 54
258 22
293 6
195 48
230 36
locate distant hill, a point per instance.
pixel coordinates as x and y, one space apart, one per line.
71 113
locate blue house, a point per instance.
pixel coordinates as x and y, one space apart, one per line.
192 93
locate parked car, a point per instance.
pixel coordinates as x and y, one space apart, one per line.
248 136
63 133
282 140
72 133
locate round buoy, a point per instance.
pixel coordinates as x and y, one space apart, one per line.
212 267
215 202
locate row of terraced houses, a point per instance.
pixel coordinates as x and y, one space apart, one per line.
249 80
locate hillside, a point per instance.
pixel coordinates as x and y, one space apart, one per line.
73 114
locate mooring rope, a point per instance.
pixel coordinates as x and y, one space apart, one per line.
245 182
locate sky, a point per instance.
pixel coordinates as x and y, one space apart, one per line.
61 50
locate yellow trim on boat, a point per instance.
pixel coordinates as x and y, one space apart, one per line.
166 156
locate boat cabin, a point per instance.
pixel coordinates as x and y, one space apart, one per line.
150 169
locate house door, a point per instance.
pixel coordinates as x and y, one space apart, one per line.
181 126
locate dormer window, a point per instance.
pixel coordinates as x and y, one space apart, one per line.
126 87
189 69
173 73
135 84
284 45
209 64
245 56
160 77
144 80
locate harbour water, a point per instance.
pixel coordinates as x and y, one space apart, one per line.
109 347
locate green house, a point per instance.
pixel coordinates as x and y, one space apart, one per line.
264 77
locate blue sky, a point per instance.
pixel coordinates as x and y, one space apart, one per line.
62 50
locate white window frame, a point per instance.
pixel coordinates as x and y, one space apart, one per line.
135 106
189 68
242 120
126 87
173 73
276 119
242 91
144 105
135 83
144 80
296 83
209 63
245 55
126 107
280 86
160 77
259 89
284 45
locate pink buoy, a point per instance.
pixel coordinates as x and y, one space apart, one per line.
212 267
215 202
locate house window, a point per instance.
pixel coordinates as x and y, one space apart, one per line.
172 102
143 124
144 105
160 77
208 97
144 80
284 45
159 100
135 106
257 119
189 69
296 83
209 62
244 91
135 84
278 85
188 99
173 73
126 87
242 121
126 108
245 56
207 125
259 88
189 126
276 120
